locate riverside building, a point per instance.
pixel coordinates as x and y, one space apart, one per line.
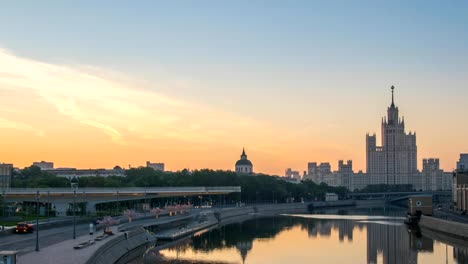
393 162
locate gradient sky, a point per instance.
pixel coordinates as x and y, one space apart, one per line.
102 83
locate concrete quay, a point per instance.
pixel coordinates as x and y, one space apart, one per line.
449 228
63 252
133 240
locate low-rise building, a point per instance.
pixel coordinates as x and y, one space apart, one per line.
72 172
330 197
155 166
44 165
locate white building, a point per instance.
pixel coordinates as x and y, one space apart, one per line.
155 166
392 163
44 165
396 159
244 166
330 197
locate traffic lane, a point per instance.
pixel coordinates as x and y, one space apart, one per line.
27 242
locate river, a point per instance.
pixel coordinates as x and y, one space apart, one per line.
324 236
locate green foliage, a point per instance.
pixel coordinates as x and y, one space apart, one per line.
387 188
33 177
258 188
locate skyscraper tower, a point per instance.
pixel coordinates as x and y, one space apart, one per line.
396 160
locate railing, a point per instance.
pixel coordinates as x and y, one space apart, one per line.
130 190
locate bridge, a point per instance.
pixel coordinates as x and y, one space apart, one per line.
393 197
62 197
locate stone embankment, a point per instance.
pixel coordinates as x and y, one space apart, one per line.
449 228
136 240
123 248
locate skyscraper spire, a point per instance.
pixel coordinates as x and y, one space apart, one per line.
393 104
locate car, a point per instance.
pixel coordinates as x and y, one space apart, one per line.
24 227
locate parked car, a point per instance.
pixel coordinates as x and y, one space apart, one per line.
24 227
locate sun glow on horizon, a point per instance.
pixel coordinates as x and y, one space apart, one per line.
91 117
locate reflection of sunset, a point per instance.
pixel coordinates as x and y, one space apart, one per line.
295 242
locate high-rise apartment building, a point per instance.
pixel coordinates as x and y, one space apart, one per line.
394 162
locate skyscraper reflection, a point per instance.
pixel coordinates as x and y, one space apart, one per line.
387 241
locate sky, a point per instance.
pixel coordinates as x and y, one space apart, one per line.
94 84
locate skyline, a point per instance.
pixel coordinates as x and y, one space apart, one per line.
291 85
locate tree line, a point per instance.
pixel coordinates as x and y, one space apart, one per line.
255 188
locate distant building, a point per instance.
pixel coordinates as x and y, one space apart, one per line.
345 174
330 197
320 173
72 172
155 166
244 166
395 160
44 165
5 175
460 190
289 173
462 164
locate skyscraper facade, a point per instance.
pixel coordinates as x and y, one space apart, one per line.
394 162
396 159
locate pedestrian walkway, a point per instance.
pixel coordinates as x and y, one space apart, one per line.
64 251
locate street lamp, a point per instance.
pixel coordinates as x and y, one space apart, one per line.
3 206
48 206
74 186
37 221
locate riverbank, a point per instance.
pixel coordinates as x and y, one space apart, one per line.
133 240
448 228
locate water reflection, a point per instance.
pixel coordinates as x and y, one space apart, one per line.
379 240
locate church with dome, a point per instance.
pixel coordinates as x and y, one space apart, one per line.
244 166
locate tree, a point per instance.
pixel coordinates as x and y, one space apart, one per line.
107 222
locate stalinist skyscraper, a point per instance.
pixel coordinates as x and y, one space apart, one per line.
395 161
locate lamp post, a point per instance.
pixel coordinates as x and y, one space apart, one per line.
37 220
3 205
74 186
48 207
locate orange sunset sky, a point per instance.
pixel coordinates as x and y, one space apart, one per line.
88 118
88 86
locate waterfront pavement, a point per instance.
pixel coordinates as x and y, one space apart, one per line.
64 252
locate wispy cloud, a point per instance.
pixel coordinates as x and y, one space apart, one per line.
119 110
4 123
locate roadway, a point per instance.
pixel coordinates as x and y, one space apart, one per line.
27 242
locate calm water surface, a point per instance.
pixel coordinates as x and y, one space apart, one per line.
350 236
